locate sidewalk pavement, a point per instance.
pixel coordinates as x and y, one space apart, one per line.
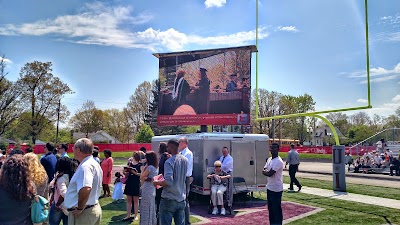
325 168
365 199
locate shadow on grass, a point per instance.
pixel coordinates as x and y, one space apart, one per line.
317 200
114 206
115 211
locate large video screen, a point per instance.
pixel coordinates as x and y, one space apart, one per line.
206 87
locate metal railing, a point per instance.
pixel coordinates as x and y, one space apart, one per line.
392 139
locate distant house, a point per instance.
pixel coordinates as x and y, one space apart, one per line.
97 137
8 141
323 136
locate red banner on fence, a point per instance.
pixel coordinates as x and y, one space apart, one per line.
328 149
39 149
203 119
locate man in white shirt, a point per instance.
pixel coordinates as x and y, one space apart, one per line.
273 170
184 150
380 145
227 166
378 160
82 197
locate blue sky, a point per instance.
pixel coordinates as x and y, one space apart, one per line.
103 49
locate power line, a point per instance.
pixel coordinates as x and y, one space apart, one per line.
96 101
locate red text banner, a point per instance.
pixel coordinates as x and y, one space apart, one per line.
216 119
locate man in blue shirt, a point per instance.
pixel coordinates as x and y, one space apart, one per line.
232 84
184 150
49 161
62 150
173 195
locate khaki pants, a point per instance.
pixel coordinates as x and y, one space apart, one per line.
217 194
91 216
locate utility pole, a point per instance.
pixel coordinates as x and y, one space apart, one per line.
58 119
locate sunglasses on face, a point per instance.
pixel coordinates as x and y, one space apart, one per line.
217 166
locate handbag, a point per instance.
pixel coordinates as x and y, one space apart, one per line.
39 209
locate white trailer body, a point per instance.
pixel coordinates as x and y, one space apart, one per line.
249 152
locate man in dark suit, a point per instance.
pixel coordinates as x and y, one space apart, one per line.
203 93
180 91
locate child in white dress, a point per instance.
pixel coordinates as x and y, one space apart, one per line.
118 193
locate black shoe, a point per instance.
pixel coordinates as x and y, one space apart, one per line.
299 188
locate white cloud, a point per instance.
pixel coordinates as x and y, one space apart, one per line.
385 109
378 74
396 98
381 79
361 100
100 25
5 60
385 18
375 72
388 36
395 19
233 39
214 3
288 29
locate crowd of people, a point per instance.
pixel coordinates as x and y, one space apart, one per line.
162 182
373 160
72 186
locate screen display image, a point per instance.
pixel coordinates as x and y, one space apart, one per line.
206 87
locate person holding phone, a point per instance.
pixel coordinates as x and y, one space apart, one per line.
132 187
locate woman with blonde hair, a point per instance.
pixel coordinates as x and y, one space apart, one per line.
37 173
219 185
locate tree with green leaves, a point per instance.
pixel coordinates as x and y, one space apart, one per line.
269 104
340 121
144 135
360 118
41 94
393 120
303 103
359 133
10 107
116 124
138 105
19 130
88 118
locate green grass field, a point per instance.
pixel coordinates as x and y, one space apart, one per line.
382 192
336 211
342 212
113 213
